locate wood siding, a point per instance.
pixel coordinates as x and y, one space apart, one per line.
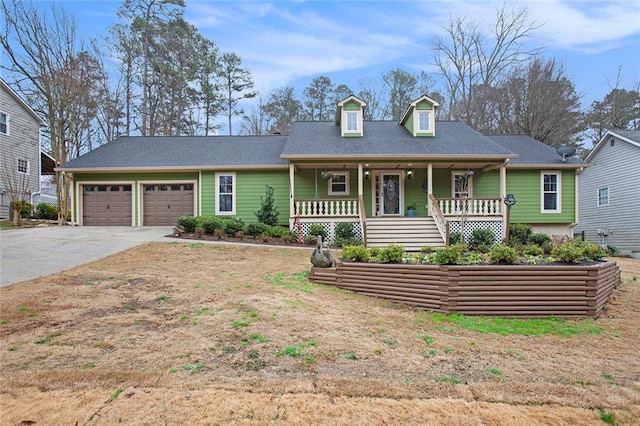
22 141
614 167
525 185
498 290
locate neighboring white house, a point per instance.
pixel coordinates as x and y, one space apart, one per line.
609 192
20 157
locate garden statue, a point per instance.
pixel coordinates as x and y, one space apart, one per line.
321 257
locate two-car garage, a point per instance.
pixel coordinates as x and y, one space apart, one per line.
113 204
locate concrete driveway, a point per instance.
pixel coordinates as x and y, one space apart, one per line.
33 252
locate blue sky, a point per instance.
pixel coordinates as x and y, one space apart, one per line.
290 42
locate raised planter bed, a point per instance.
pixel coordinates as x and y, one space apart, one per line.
520 291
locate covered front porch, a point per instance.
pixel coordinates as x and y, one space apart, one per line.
413 204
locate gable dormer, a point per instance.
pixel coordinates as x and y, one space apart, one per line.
420 117
350 117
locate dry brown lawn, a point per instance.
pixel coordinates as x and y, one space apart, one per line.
192 333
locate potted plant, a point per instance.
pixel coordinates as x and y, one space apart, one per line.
326 175
411 209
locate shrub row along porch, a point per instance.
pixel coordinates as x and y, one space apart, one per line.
520 291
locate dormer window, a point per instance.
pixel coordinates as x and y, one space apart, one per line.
424 121
349 116
352 121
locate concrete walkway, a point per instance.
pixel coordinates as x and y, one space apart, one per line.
33 252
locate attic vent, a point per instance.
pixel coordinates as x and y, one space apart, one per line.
613 142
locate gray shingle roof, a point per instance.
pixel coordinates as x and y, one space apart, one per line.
532 152
183 152
633 135
388 138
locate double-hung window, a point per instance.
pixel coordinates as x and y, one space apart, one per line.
339 183
462 185
424 121
4 123
550 190
23 166
603 196
225 193
352 121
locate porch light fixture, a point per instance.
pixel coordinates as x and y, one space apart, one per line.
366 174
409 174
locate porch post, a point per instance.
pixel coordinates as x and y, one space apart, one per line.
503 195
430 179
360 180
291 190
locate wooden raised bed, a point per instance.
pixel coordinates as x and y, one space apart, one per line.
499 290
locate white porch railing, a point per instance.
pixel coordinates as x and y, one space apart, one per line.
438 218
470 206
331 208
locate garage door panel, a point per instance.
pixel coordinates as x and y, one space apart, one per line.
164 204
107 205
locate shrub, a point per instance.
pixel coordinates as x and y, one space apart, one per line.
454 237
255 229
232 225
450 255
187 223
311 240
576 251
539 239
317 229
268 213
345 235
277 231
503 254
46 211
482 237
519 234
219 233
356 253
612 250
209 223
532 250
391 254
26 210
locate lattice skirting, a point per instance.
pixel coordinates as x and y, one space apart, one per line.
471 225
329 226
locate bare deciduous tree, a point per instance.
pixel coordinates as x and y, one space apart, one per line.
467 59
56 71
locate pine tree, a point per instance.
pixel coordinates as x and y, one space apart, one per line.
268 213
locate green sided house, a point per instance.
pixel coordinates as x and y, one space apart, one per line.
411 182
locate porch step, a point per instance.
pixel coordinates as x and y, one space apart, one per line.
412 233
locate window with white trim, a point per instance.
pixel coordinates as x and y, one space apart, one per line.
424 121
23 166
225 193
4 123
462 184
352 121
550 190
603 196
339 183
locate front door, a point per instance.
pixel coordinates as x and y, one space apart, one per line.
389 193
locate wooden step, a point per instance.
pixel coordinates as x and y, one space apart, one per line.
411 233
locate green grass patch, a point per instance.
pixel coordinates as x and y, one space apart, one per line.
195 245
295 351
258 338
162 298
195 368
295 281
89 366
449 379
351 356
525 327
494 371
48 338
428 339
240 323
114 395
607 417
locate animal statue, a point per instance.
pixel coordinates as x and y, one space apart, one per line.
321 257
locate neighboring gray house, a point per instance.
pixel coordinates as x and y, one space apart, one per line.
20 156
609 192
